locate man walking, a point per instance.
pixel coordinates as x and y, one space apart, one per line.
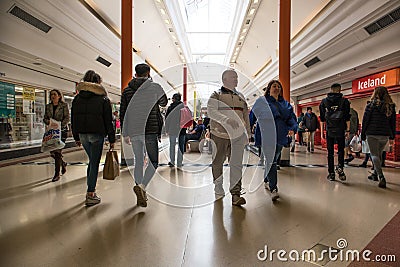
335 112
311 124
141 123
230 130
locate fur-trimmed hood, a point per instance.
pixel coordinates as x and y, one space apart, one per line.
95 88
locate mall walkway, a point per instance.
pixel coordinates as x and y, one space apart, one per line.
46 224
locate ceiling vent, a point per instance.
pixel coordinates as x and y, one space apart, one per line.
383 22
103 61
25 16
312 62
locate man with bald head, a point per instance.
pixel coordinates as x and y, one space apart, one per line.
230 130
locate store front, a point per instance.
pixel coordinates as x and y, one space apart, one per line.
22 110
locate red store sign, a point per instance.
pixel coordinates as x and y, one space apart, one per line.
368 83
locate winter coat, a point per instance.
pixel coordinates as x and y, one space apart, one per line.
61 114
310 122
172 119
140 111
91 112
282 114
226 104
335 100
375 121
353 121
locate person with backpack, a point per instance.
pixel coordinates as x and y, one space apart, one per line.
142 123
311 124
379 126
335 113
230 131
174 130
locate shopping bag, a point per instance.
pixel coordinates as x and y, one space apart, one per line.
111 166
365 147
52 137
306 137
355 144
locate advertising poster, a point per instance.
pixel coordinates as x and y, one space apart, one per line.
7 100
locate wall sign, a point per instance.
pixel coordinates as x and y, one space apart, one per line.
7 100
368 83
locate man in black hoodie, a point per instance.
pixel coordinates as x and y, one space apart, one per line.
172 127
335 112
141 123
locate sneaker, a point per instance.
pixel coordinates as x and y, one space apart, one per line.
266 186
92 200
340 172
274 195
219 190
382 182
170 164
373 177
237 200
331 176
140 195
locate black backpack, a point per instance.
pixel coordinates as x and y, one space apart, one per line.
334 115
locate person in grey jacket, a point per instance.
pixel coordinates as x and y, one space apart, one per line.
58 110
141 123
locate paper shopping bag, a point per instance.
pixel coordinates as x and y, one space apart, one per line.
111 166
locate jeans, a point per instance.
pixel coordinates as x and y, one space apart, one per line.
181 148
330 142
139 143
376 145
272 176
93 145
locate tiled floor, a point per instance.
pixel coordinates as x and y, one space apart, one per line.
46 224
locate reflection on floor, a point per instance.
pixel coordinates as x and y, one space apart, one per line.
46 224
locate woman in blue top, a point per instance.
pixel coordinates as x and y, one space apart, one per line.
284 120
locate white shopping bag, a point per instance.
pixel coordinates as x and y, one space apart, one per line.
52 137
355 144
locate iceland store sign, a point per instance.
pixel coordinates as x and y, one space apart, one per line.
368 83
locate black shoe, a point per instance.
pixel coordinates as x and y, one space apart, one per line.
363 165
55 178
308 149
331 176
383 165
373 177
382 182
170 164
349 159
312 150
278 167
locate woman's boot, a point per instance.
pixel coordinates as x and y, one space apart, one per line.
57 166
63 167
382 182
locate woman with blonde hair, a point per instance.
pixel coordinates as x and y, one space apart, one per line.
58 110
379 125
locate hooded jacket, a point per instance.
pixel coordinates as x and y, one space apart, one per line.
140 111
375 121
91 112
336 129
172 119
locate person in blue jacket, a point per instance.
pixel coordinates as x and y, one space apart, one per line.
273 110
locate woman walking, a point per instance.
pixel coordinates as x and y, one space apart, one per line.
91 121
58 110
285 126
379 125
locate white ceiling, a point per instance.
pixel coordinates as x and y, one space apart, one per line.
331 30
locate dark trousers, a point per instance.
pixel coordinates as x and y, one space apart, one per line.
330 142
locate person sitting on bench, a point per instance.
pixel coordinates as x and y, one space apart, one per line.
195 134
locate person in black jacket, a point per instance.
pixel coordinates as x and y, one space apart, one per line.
310 124
141 123
172 125
379 126
335 112
91 117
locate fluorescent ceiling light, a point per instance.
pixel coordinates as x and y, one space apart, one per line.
252 11
162 11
